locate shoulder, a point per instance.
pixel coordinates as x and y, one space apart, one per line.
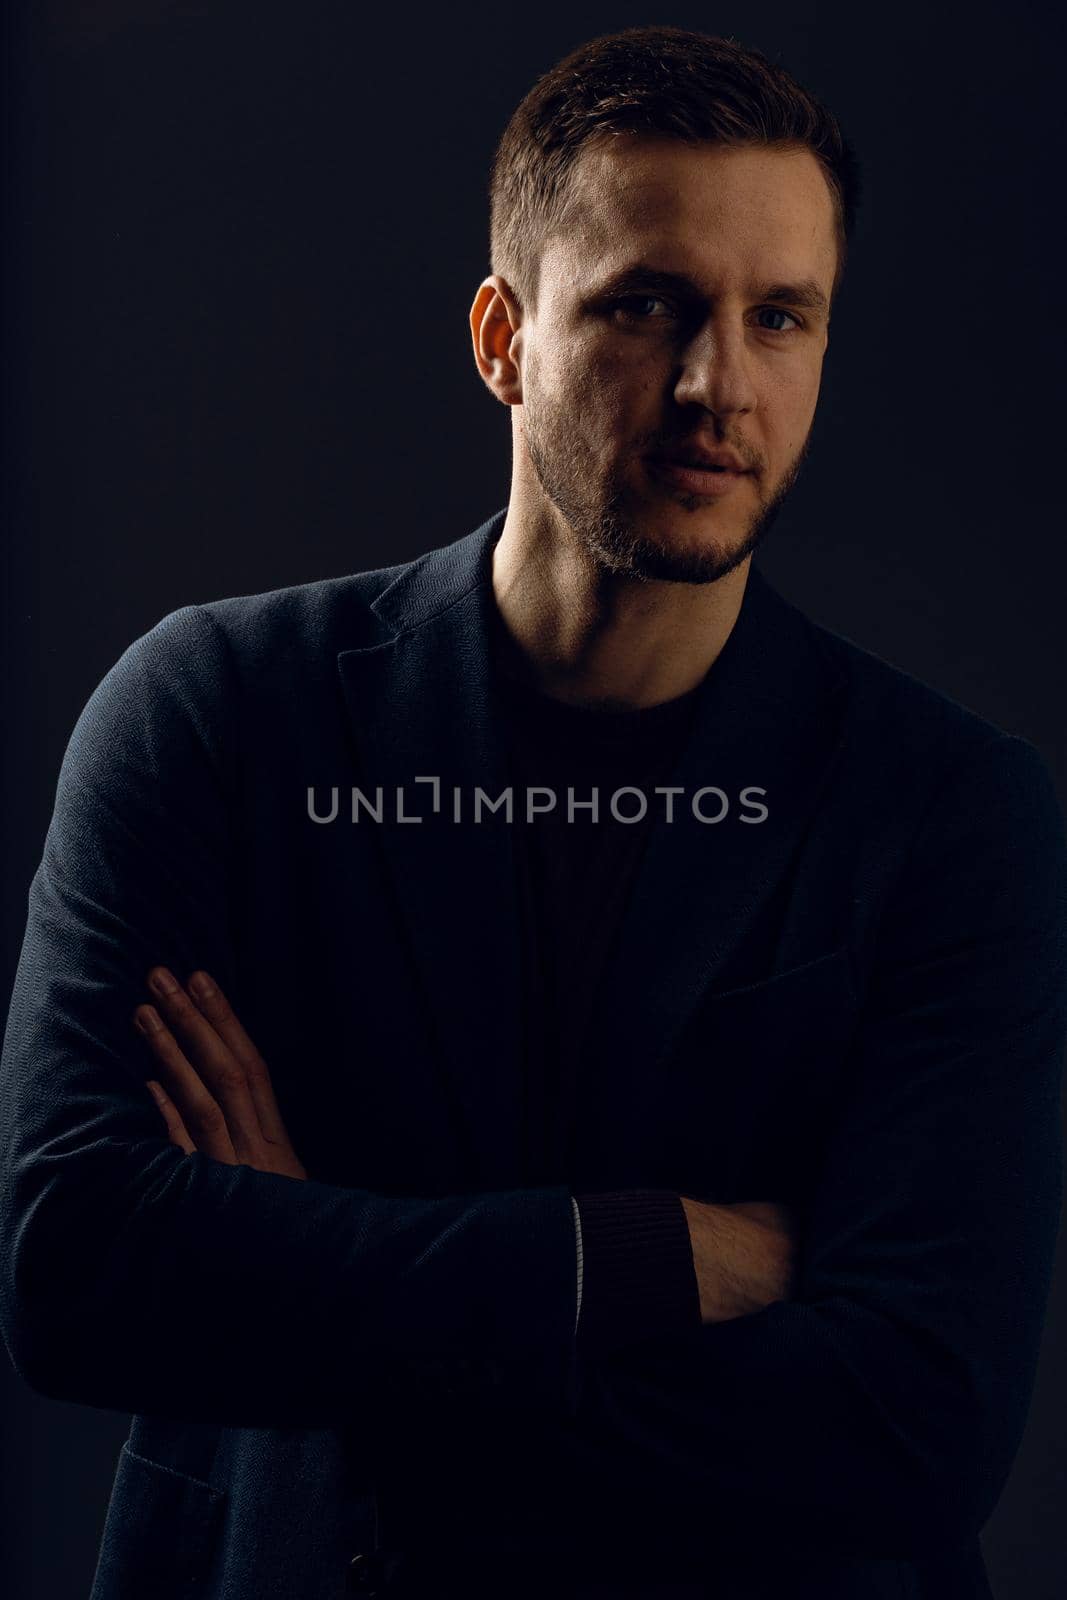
327 614
956 772
217 645
912 761
900 722
901 707
194 668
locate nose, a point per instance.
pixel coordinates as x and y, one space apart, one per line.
715 372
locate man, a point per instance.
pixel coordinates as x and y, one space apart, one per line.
658 1202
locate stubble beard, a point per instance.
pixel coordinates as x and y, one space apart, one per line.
601 516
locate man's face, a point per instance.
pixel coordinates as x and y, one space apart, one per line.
714 338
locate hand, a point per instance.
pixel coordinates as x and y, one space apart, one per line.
783 1244
744 1255
220 1100
768 1212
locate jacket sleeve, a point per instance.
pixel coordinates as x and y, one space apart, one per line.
137 1278
879 1409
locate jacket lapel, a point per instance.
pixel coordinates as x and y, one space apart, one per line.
767 718
423 704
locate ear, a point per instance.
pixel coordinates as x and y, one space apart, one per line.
496 334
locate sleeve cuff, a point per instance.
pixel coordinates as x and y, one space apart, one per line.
578 1250
638 1276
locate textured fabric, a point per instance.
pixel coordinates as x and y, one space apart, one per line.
857 1007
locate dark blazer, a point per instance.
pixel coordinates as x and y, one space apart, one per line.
857 1007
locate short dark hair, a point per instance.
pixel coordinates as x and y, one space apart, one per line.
693 87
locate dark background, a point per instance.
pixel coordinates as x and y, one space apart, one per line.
242 246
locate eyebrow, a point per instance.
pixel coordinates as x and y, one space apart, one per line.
805 293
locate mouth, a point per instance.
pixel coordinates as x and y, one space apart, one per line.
698 478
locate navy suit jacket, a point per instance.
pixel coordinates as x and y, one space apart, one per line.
856 1007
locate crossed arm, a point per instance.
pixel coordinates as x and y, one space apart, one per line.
216 1097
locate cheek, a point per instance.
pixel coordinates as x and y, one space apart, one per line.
601 398
788 400
630 397
598 401
597 367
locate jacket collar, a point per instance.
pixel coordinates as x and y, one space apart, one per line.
423 706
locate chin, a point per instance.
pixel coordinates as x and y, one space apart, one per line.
683 560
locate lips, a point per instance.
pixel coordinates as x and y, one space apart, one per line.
719 460
708 480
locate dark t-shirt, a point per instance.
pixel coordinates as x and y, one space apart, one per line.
575 875
574 878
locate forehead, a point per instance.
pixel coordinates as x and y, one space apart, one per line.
697 209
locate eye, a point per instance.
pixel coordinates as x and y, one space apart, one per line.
636 309
776 311
629 306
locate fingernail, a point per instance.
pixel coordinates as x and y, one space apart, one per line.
147 1020
156 1092
162 982
201 986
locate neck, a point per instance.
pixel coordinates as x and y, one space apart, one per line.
592 637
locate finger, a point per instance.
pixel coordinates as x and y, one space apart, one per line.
221 1072
212 1003
199 1110
179 1134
